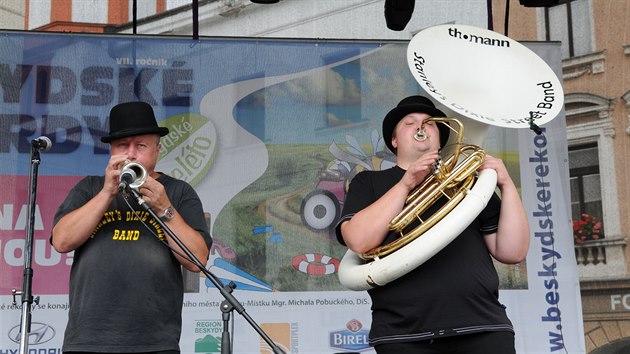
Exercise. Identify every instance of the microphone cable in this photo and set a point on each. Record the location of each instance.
(135, 212)
(125, 195)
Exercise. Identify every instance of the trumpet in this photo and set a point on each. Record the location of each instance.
(132, 175)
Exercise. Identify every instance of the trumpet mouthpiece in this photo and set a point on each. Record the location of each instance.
(420, 135)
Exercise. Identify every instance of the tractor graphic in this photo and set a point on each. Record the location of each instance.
(321, 208)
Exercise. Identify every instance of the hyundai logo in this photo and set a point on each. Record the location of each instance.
(40, 333)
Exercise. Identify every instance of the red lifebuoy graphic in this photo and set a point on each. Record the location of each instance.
(315, 264)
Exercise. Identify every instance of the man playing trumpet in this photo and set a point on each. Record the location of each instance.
(449, 304)
(126, 288)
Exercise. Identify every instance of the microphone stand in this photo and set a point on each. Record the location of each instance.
(27, 293)
(230, 304)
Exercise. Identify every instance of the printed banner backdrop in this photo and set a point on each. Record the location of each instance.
(269, 132)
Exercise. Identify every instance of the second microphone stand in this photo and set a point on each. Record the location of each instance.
(230, 303)
(27, 283)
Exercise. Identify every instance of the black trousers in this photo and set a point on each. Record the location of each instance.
(477, 343)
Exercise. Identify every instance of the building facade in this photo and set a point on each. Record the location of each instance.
(12, 14)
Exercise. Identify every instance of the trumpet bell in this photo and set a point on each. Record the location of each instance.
(135, 171)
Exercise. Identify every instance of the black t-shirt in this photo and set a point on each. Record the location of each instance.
(453, 293)
(126, 287)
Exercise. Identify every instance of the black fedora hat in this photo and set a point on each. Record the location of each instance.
(412, 104)
(132, 118)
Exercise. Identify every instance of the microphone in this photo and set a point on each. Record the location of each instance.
(533, 126)
(127, 177)
(132, 175)
(42, 143)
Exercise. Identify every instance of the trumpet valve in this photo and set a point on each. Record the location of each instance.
(439, 170)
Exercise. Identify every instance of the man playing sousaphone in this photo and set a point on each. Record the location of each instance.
(449, 304)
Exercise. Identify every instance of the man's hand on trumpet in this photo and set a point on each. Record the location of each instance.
(112, 174)
(154, 194)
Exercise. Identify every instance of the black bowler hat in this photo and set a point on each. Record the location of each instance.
(412, 104)
(132, 118)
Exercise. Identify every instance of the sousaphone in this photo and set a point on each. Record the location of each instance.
(483, 79)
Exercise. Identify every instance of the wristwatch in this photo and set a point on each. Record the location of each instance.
(168, 214)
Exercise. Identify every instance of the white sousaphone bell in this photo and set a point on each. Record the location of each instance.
(484, 78)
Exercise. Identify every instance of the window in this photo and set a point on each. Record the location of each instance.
(571, 24)
(590, 136)
(586, 192)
